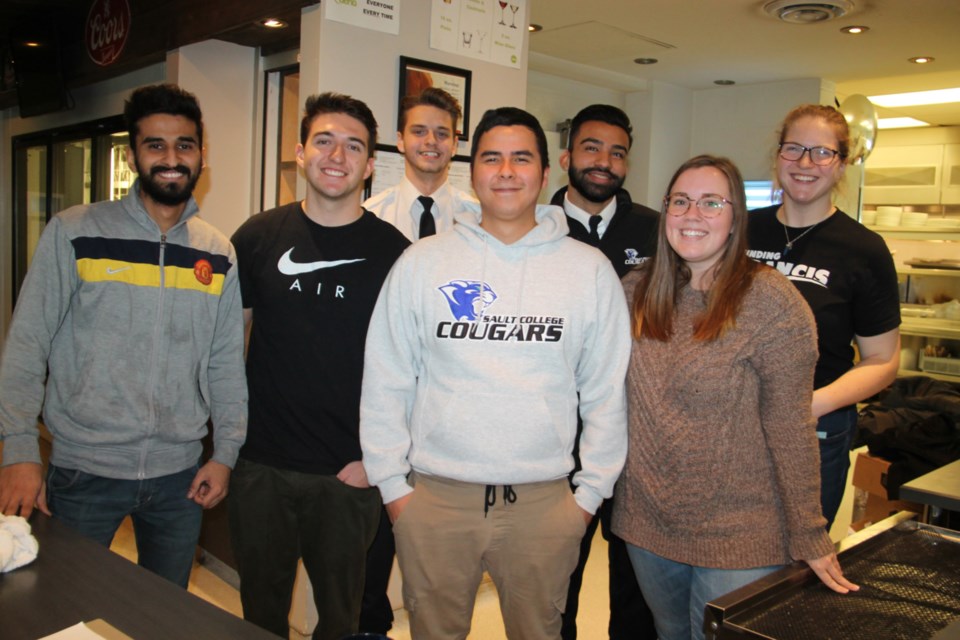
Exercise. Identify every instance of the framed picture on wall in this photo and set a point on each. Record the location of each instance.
(417, 75)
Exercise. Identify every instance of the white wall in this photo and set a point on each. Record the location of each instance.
(740, 122)
(669, 119)
(223, 77)
(365, 64)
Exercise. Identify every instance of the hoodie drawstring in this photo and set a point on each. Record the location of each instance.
(490, 496)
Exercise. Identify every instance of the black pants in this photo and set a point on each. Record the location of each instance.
(376, 614)
(278, 516)
(630, 617)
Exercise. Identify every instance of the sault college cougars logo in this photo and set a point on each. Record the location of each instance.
(467, 298)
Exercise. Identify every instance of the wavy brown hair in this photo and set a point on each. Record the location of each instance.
(662, 277)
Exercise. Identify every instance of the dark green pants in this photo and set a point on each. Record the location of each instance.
(279, 516)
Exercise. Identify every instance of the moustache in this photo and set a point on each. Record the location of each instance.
(181, 168)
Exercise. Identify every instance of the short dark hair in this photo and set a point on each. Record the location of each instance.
(161, 98)
(510, 117)
(430, 97)
(600, 113)
(331, 102)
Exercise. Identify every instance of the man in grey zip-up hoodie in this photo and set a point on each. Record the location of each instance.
(480, 343)
(128, 334)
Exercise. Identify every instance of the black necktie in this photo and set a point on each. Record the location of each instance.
(595, 230)
(427, 226)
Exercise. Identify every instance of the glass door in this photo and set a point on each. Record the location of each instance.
(55, 170)
(281, 133)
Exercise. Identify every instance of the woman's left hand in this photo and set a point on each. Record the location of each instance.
(828, 570)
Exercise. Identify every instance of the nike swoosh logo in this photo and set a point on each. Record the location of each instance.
(290, 268)
(111, 271)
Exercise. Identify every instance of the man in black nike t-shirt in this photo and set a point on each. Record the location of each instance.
(310, 274)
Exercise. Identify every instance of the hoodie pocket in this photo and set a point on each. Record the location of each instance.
(486, 428)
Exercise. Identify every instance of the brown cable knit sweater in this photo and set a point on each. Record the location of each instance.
(722, 465)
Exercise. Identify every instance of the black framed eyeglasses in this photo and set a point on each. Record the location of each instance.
(821, 156)
(677, 204)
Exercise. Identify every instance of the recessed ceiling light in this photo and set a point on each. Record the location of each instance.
(900, 123)
(31, 43)
(724, 83)
(273, 23)
(917, 98)
(646, 60)
(920, 60)
(533, 28)
(855, 29)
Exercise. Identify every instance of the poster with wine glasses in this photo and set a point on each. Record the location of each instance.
(490, 30)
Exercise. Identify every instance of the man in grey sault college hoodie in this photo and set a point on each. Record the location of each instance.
(480, 343)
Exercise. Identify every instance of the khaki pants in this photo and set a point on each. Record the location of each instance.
(529, 547)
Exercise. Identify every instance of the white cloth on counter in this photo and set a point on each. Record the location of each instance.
(17, 546)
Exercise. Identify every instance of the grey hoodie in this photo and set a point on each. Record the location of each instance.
(142, 335)
(476, 353)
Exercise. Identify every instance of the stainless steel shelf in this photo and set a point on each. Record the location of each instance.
(918, 233)
(936, 376)
(915, 271)
(930, 328)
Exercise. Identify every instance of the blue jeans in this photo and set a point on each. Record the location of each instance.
(835, 433)
(678, 593)
(166, 524)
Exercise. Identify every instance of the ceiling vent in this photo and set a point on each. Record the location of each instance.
(799, 12)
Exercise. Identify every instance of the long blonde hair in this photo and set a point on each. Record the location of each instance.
(655, 296)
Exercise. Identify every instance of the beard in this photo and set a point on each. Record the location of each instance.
(167, 193)
(598, 193)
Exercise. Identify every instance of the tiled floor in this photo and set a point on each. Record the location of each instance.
(487, 622)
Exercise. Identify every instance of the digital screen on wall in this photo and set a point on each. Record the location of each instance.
(760, 193)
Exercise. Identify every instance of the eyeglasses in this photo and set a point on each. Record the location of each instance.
(821, 156)
(678, 204)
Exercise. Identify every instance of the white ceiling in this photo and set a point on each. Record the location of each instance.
(699, 41)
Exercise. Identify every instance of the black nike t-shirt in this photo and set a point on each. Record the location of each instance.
(312, 290)
(845, 273)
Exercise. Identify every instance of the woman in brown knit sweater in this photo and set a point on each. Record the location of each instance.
(720, 485)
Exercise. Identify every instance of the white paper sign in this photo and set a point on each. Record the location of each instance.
(378, 15)
(491, 30)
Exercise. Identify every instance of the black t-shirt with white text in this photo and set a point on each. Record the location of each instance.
(312, 290)
(845, 273)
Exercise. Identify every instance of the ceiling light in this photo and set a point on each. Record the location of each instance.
(917, 98)
(646, 60)
(800, 12)
(724, 83)
(900, 123)
(273, 23)
(855, 29)
(920, 60)
(533, 28)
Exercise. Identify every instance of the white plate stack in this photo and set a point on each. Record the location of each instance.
(912, 219)
(889, 216)
(943, 223)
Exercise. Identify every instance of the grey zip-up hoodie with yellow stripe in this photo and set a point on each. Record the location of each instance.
(130, 340)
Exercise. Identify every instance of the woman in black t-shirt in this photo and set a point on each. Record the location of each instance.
(845, 273)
